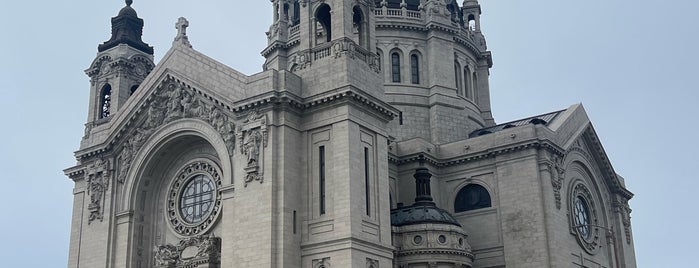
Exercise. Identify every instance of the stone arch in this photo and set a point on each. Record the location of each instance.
(323, 23)
(173, 130)
(105, 101)
(147, 189)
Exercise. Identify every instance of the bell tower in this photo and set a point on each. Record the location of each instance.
(329, 46)
(332, 41)
(121, 64)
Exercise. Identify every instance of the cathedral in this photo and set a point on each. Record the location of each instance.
(367, 140)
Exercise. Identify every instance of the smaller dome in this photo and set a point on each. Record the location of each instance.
(128, 11)
(420, 214)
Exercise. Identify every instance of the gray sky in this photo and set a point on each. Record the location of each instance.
(631, 63)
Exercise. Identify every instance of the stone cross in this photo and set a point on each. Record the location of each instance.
(181, 27)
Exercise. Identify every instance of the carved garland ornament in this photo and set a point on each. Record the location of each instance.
(209, 208)
(98, 176)
(252, 136)
(166, 106)
(190, 252)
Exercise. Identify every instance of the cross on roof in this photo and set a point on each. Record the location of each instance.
(181, 26)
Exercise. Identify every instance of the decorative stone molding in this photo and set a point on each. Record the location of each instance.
(623, 208)
(253, 136)
(321, 263)
(371, 263)
(197, 251)
(97, 175)
(557, 177)
(166, 106)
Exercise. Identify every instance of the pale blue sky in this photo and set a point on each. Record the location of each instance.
(632, 64)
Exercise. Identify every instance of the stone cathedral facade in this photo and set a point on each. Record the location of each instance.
(366, 141)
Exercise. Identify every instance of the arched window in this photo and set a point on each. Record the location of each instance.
(414, 69)
(296, 19)
(471, 197)
(474, 81)
(395, 67)
(471, 22)
(286, 12)
(380, 61)
(323, 24)
(133, 90)
(105, 101)
(457, 77)
(359, 27)
(467, 82)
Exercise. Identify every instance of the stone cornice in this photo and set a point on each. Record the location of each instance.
(434, 252)
(269, 98)
(603, 161)
(477, 156)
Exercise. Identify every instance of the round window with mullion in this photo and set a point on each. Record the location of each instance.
(194, 201)
(583, 218)
(197, 199)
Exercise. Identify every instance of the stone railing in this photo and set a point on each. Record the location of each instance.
(394, 13)
(293, 31)
(335, 49)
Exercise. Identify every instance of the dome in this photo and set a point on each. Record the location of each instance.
(127, 11)
(421, 214)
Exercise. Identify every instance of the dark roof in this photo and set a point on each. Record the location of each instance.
(543, 119)
(421, 214)
(127, 28)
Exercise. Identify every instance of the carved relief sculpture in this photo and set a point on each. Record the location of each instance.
(97, 184)
(190, 252)
(557, 176)
(252, 135)
(169, 105)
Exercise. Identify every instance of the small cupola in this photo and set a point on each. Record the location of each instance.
(127, 29)
(424, 233)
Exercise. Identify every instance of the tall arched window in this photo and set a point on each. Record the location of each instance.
(395, 67)
(133, 90)
(105, 101)
(414, 69)
(474, 81)
(467, 82)
(471, 197)
(471, 22)
(323, 24)
(360, 29)
(296, 18)
(457, 78)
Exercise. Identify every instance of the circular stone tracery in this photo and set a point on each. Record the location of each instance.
(584, 221)
(194, 201)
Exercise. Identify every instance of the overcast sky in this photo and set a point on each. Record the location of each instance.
(632, 64)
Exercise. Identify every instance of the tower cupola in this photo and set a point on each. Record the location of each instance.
(122, 63)
(127, 28)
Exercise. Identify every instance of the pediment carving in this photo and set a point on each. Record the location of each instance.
(98, 177)
(172, 101)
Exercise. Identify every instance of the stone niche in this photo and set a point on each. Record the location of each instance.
(198, 251)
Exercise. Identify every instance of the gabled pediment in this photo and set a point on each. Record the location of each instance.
(576, 134)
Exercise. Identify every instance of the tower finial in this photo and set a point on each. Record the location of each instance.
(129, 2)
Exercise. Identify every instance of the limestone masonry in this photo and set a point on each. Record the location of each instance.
(366, 141)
